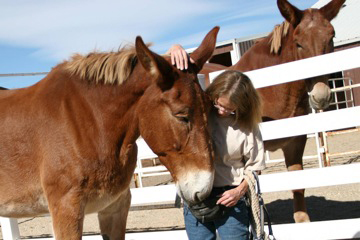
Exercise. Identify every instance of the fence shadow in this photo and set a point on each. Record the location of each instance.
(319, 209)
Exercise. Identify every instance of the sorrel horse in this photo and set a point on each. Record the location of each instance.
(68, 142)
(304, 34)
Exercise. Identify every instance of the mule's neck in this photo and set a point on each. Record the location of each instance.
(118, 109)
(111, 113)
(260, 55)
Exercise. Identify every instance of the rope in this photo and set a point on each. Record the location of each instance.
(257, 213)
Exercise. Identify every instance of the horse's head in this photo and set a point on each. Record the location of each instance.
(173, 119)
(312, 36)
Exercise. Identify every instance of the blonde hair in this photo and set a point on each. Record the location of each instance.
(241, 92)
(106, 68)
(276, 36)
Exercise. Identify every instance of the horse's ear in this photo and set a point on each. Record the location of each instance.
(155, 65)
(290, 12)
(146, 57)
(331, 9)
(206, 48)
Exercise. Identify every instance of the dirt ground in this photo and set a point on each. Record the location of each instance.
(326, 203)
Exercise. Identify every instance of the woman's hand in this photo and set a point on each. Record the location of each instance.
(231, 197)
(179, 57)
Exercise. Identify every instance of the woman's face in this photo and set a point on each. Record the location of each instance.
(224, 106)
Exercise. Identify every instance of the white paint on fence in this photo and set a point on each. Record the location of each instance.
(319, 122)
(292, 71)
(9, 228)
(310, 231)
(324, 230)
(310, 178)
(152, 195)
(153, 235)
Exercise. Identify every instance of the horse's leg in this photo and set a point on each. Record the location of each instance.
(112, 219)
(67, 215)
(293, 153)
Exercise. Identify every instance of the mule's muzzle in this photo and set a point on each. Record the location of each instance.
(320, 96)
(195, 187)
(319, 103)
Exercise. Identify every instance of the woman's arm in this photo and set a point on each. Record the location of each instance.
(254, 152)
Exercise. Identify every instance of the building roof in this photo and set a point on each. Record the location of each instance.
(346, 24)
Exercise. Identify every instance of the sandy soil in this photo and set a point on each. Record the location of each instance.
(327, 203)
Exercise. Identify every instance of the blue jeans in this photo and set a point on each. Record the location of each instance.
(232, 227)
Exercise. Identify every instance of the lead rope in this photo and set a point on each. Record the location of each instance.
(257, 208)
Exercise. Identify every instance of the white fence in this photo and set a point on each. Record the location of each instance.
(338, 175)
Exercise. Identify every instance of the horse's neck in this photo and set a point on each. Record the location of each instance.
(260, 56)
(280, 101)
(105, 114)
(119, 117)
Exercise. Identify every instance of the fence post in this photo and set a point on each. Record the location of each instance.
(9, 228)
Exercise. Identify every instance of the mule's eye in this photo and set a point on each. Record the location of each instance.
(182, 117)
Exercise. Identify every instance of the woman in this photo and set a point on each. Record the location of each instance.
(238, 147)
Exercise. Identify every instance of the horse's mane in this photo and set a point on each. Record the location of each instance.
(104, 67)
(279, 31)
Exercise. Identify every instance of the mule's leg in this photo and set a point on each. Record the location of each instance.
(67, 214)
(293, 153)
(112, 220)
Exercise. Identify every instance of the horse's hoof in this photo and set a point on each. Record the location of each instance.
(301, 217)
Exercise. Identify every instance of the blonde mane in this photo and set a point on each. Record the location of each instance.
(106, 68)
(280, 31)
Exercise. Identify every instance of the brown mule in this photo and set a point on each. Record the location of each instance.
(304, 34)
(67, 143)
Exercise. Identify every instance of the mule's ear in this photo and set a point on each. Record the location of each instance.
(332, 9)
(158, 67)
(290, 12)
(146, 57)
(206, 48)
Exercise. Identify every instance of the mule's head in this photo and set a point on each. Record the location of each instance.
(313, 35)
(172, 115)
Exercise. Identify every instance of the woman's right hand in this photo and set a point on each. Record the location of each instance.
(231, 197)
(179, 57)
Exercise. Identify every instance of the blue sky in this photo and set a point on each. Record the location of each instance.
(36, 35)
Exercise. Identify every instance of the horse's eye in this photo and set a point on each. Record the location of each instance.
(182, 117)
(299, 46)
